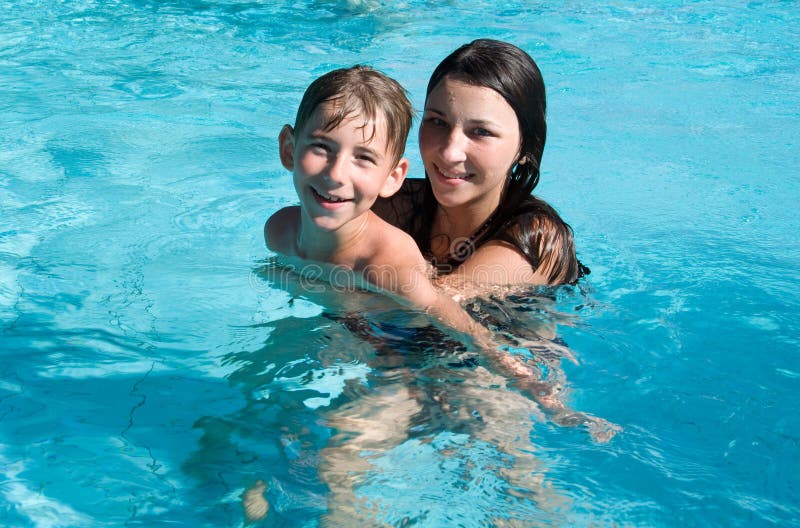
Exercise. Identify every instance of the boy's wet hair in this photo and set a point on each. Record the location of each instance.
(365, 91)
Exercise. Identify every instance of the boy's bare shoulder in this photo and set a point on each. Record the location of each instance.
(280, 231)
(396, 266)
(396, 248)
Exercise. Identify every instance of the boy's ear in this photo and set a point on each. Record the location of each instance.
(286, 147)
(395, 179)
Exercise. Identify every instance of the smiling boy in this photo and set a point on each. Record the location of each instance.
(345, 151)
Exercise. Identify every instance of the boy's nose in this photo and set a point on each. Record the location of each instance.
(454, 150)
(336, 172)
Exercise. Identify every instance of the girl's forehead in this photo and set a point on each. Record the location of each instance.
(454, 90)
(469, 101)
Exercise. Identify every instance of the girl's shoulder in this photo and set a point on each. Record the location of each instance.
(537, 230)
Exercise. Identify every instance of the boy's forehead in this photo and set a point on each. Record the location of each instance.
(330, 115)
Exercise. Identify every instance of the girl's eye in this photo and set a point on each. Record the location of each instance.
(437, 122)
(482, 132)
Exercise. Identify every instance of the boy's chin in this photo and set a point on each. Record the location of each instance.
(327, 223)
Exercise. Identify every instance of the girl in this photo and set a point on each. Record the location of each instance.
(481, 140)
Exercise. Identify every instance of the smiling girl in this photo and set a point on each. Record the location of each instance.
(481, 139)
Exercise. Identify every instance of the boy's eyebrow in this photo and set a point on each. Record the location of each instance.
(320, 134)
(370, 151)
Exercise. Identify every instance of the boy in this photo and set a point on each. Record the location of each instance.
(344, 151)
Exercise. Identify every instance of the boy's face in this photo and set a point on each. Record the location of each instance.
(340, 173)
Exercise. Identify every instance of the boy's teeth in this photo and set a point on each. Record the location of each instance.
(329, 197)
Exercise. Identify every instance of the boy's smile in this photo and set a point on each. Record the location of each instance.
(339, 172)
(328, 201)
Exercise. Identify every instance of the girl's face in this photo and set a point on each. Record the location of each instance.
(469, 140)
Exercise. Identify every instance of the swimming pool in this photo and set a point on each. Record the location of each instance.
(153, 367)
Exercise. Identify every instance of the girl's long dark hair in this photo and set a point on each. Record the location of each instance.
(523, 220)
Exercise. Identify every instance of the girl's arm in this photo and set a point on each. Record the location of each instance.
(494, 263)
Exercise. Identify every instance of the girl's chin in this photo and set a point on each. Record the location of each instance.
(449, 197)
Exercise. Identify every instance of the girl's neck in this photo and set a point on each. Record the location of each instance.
(460, 222)
(454, 234)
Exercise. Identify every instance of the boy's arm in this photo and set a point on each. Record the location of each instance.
(421, 293)
(412, 285)
(449, 312)
(400, 270)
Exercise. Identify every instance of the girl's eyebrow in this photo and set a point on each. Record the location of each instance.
(484, 122)
(473, 122)
(435, 111)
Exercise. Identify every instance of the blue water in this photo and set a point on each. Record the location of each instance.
(153, 367)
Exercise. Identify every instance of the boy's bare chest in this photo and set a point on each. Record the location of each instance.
(316, 275)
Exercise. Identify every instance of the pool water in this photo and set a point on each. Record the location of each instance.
(155, 365)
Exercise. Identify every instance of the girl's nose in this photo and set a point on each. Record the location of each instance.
(454, 150)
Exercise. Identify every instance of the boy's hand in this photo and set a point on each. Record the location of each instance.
(527, 378)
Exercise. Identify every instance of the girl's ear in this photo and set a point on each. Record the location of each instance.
(286, 147)
(523, 160)
(395, 179)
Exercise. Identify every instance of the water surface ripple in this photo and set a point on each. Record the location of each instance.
(156, 363)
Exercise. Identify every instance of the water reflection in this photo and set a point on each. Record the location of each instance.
(369, 405)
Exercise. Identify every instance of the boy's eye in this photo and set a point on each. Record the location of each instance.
(319, 147)
(366, 158)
